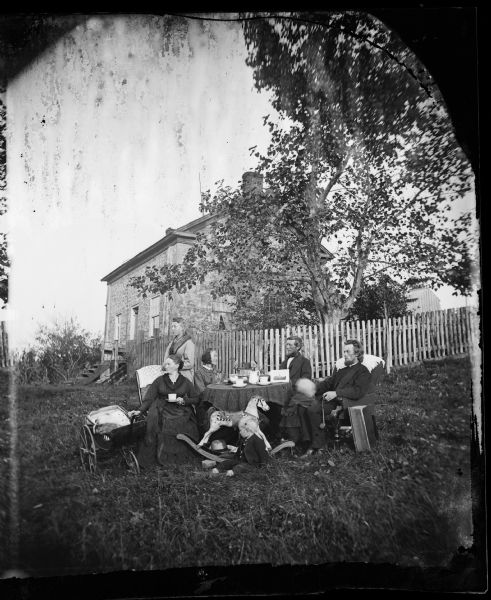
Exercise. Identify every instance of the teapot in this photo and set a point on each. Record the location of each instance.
(254, 377)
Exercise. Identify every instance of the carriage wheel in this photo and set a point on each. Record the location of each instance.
(130, 460)
(88, 456)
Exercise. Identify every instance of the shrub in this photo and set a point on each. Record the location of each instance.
(61, 352)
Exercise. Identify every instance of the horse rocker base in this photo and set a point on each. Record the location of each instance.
(217, 458)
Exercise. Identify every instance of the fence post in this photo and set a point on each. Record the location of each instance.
(116, 354)
(388, 333)
(4, 346)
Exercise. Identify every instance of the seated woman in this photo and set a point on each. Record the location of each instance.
(167, 417)
(207, 373)
(204, 376)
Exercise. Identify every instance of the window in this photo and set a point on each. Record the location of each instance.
(117, 324)
(154, 322)
(133, 322)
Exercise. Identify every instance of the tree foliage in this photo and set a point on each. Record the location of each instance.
(380, 299)
(60, 353)
(362, 158)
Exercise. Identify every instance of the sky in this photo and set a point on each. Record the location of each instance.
(112, 132)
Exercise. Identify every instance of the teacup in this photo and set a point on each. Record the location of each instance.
(263, 379)
(240, 382)
(172, 397)
(233, 377)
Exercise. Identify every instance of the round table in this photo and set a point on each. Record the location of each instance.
(233, 399)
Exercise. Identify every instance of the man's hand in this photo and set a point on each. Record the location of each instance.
(329, 395)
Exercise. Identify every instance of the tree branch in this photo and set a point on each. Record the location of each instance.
(335, 178)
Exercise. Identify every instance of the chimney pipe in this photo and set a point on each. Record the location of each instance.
(252, 182)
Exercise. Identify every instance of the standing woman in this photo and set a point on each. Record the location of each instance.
(168, 416)
(183, 346)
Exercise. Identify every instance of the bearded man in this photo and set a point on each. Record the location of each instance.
(344, 388)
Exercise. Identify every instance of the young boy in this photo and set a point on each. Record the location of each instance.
(294, 421)
(251, 453)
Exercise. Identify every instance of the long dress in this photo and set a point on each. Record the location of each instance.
(165, 420)
(204, 377)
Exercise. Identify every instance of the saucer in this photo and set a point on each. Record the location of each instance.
(239, 386)
(267, 383)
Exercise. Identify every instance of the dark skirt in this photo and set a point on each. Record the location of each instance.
(160, 445)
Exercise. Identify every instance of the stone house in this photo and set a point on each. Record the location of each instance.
(129, 317)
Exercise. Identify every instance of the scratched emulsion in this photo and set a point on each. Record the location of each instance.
(111, 131)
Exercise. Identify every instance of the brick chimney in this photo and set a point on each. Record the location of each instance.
(168, 230)
(252, 182)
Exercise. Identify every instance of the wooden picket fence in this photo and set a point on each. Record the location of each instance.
(4, 346)
(400, 341)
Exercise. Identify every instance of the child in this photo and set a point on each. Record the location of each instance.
(294, 422)
(251, 453)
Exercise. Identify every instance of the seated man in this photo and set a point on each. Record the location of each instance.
(345, 387)
(295, 362)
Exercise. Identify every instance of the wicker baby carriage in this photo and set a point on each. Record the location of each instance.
(113, 429)
(106, 432)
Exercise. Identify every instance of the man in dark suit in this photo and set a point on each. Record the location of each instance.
(345, 387)
(299, 367)
(295, 362)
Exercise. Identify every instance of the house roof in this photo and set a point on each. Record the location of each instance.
(186, 234)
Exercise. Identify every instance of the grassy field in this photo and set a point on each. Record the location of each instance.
(407, 503)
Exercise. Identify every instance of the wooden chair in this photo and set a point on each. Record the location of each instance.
(145, 376)
(357, 421)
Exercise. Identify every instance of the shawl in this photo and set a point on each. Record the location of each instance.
(178, 342)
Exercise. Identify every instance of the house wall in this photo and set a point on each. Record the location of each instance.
(424, 300)
(196, 306)
(122, 297)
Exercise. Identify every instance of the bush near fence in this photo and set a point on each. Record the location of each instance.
(400, 341)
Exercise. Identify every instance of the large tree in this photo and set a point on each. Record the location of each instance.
(4, 260)
(362, 158)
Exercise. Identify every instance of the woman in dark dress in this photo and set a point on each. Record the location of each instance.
(168, 417)
(204, 376)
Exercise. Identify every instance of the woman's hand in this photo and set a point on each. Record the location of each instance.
(180, 401)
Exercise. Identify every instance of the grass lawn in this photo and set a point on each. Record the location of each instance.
(407, 504)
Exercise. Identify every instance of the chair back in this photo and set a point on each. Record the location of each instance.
(374, 364)
(145, 377)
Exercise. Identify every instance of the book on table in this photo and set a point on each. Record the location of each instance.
(279, 375)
